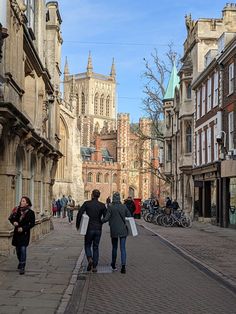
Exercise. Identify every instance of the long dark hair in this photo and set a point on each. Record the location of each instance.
(28, 201)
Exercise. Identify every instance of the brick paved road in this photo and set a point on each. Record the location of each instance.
(158, 280)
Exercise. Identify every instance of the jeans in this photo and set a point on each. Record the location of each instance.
(21, 255)
(70, 214)
(114, 242)
(92, 237)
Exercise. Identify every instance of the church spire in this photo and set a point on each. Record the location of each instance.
(90, 65)
(66, 68)
(173, 82)
(113, 70)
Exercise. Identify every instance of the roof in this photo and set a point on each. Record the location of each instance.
(86, 153)
(173, 82)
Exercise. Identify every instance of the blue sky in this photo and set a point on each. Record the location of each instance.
(128, 31)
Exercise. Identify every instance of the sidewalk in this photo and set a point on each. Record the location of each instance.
(210, 247)
(48, 276)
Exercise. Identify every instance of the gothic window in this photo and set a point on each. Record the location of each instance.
(99, 177)
(188, 138)
(90, 177)
(106, 178)
(96, 104)
(114, 178)
(189, 91)
(102, 105)
(82, 103)
(108, 106)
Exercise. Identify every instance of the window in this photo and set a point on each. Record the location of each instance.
(198, 104)
(216, 88)
(108, 106)
(114, 178)
(106, 178)
(96, 104)
(231, 78)
(102, 105)
(99, 177)
(209, 94)
(203, 147)
(30, 13)
(203, 99)
(189, 91)
(209, 145)
(198, 149)
(231, 130)
(169, 151)
(188, 138)
(82, 104)
(215, 143)
(90, 177)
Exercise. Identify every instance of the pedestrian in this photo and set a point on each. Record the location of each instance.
(70, 208)
(64, 202)
(95, 210)
(108, 201)
(175, 205)
(23, 219)
(130, 205)
(116, 214)
(54, 207)
(58, 202)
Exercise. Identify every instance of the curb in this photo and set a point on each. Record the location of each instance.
(69, 290)
(211, 272)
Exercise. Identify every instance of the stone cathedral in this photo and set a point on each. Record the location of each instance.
(99, 143)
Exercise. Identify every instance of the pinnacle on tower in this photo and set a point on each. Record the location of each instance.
(173, 82)
(113, 70)
(90, 64)
(66, 68)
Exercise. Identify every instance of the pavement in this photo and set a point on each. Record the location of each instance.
(162, 273)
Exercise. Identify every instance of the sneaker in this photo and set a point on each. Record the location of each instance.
(113, 266)
(94, 270)
(22, 271)
(90, 263)
(123, 270)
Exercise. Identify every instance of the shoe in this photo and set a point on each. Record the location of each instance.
(90, 263)
(22, 271)
(94, 270)
(123, 270)
(113, 266)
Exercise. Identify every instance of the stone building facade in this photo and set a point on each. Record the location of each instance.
(29, 110)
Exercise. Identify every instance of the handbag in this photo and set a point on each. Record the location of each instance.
(83, 224)
(132, 229)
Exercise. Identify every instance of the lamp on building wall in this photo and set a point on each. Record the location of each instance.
(3, 35)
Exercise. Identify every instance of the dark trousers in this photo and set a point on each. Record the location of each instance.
(114, 242)
(21, 255)
(92, 238)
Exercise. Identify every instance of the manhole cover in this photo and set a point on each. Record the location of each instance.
(100, 270)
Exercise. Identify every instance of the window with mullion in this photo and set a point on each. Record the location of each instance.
(216, 89)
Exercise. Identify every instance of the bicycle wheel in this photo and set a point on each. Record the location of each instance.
(168, 221)
(186, 222)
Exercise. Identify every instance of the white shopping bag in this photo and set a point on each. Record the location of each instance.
(132, 229)
(83, 224)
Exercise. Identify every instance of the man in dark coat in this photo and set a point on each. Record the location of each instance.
(95, 210)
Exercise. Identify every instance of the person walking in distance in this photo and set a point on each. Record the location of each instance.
(116, 214)
(23, 219)
(95, 210)
(70, 209)
(130, 205)
(64, 202)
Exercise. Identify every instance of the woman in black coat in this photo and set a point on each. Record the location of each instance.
(23, 219)
(116, 214)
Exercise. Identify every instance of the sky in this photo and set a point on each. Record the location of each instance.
(128, 31)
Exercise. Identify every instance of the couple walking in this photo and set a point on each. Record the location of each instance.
(99, 214)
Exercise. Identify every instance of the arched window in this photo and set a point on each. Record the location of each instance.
(90, 177)
(99, 177)
(96, 104)
(189, 91)
(82, 103)
(114, 178)
(102, 105)
(188, 138)
(108, 106)
(106, 178)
